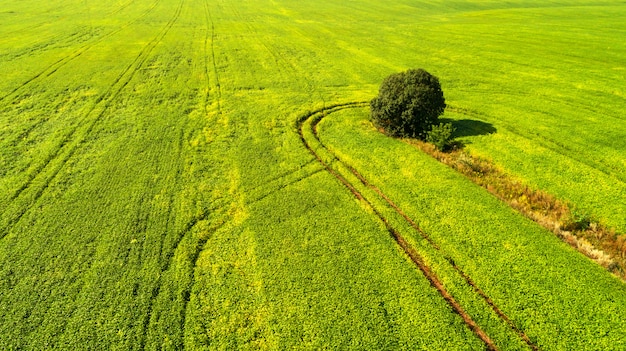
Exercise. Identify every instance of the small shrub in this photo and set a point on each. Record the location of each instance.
(441, 136)
(578, 221)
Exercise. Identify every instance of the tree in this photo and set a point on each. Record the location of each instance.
(408, 104)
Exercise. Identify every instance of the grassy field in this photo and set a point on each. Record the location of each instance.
(199, 174)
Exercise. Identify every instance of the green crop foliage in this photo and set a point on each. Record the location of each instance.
(156, 193)
(516, 262)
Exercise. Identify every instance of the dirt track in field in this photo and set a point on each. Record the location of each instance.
(314, 118)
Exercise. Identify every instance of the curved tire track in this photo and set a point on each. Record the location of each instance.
(315, 117)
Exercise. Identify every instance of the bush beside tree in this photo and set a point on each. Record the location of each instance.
(441, 136)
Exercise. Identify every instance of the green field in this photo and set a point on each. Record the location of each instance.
(202, 175)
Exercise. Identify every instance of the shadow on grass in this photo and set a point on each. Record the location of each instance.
(469, 127)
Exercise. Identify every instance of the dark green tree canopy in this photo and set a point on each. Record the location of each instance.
(408, 104)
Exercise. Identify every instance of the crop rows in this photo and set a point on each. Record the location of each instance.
(89, 43)
(110, 181)
(50, 167)
(163, 187)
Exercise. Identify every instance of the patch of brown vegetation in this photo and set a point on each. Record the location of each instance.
(596, 241)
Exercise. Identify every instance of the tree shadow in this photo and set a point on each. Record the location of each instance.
(469, 127)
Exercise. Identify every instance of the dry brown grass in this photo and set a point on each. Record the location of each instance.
(583, 233)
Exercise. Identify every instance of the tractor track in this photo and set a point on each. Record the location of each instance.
(210, 36)
(52, 40)
(69, 145)
(55, 66)
(315, 117)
